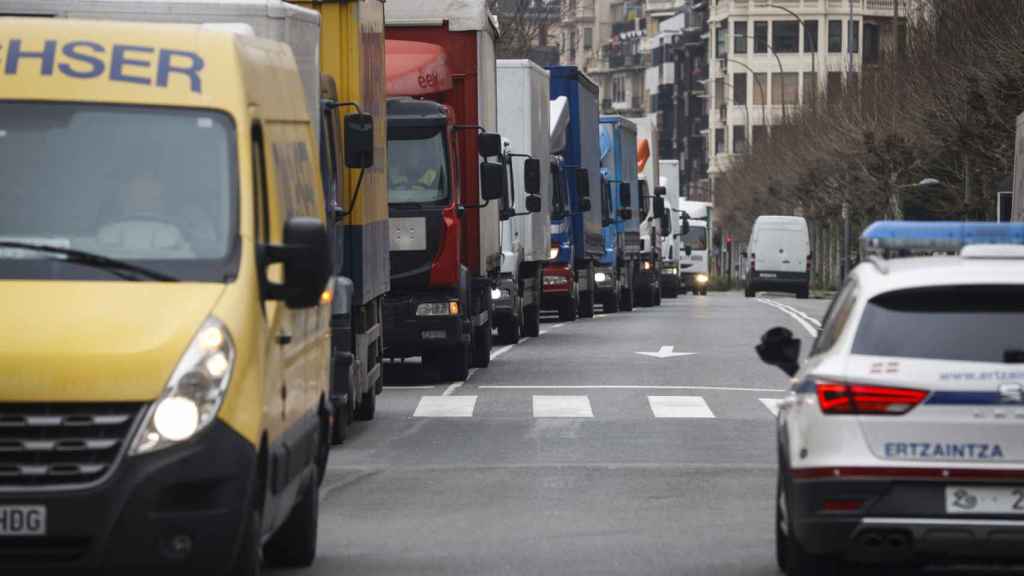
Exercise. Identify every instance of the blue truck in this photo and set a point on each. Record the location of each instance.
(620, 268)
(577, 243)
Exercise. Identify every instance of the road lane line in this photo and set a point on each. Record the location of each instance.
(542, 332)
(445, 407)
(427, 387)
(557, 326)
(799, 312)
(562, 407)
(500, 351)
(806, 325)
(679, 407)
(623, 387)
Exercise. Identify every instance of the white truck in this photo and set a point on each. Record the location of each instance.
(695, 244)
(524, 114)
(648, 167)
(671, 283)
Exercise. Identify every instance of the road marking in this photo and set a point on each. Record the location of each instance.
(409, 387)
(500, 351)
(557, 326)
(679, 407)
(665, 352)
(622, 387)
(798, 317)
(455, 385)
(772, 404)
(445, 407)
(542, 332)
(562, 407)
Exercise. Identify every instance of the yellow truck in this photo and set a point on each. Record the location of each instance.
(164, 275)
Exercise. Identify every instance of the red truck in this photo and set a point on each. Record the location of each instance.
(445, 197)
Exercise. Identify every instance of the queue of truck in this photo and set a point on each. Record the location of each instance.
(370, 182)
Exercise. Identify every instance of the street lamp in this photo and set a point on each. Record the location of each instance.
(760, 87)
(897, 203)
(803, 29)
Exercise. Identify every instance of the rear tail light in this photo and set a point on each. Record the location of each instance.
(835, 398)
(752, 262)
(810, 256)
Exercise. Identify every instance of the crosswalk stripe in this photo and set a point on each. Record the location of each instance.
(445, 407)
(772, 404)
(562, 407)
(679, 407)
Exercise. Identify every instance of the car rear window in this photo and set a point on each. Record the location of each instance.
(972, 323)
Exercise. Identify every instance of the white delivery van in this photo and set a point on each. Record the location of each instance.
(779, 255)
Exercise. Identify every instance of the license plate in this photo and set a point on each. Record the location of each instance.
(985, 500)
(22, 520)
(768, 275)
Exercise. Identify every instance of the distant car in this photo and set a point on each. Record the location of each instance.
(779, 255)
(900, 441)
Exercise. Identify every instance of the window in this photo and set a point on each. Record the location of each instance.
(964, 323)
(618, 88)
(739, 45)
(835, 319)
(810, 35)
(739, 88)
(854, 36)
(721, 40)
(785, 36)
(759, 135)
(760, 37)
(588, 38)
(739, 139)
(810, 87)
(720, 92)
(835, 36)
(760, 89)
(872, 43)
(417, 172)
(785, 89)
(719, 140)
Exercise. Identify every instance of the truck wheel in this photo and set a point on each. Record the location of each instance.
(749, 293)
(508, 331)
(455, 368)
(587, 304)
(294, 543)
(803, 293)
(657, 296)
(567, 312)
(482, 344)
(626, 299)
(367, 406)
(343, 414)
(249, 561)
(611, 303)
(531, 321)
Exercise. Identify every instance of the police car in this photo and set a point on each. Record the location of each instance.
(902, 438)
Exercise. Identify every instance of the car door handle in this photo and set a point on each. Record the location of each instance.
(284, 338)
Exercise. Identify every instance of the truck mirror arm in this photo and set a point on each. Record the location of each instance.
(338, 210)
(334, 105)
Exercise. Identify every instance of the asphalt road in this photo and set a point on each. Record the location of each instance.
(574, 454)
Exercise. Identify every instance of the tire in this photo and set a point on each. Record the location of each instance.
(567, 311)
(611, 303)
(626, 300)
(803, 293)
(343, 415)
(657, 296)
(531, 321)
(454, 367)
(482, 344)
(249, 561)
(294, 543)
(587, 304)
(780, 536)
(508, 331)
(367, 408)
(749, 292)
(790, 554)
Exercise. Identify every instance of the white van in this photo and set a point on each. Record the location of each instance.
(779, 255)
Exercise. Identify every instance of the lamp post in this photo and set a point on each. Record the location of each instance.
(746, 111)
(803, 29)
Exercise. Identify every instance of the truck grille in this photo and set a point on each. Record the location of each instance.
(61, 444)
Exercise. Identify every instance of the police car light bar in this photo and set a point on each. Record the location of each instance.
(886, 236)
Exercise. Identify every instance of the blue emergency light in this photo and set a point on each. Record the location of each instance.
(888, 236)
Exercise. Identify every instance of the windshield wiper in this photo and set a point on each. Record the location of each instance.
(113, 265)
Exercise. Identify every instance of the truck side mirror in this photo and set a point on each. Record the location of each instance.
(660, 191)
(666, 225)
(493, 181)
(533, 204)
(688, 250)
(779, 348)
(358, 140)
(625, 195)
(684, 225)
(307, 264)
(488, 144)
(659, 207)
(531, 177)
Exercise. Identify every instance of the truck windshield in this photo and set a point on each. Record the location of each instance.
(696, 238)
(417, 167)
(146, 186)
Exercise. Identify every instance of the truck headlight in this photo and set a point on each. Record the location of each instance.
(438, 309)
(495, 293)
(647, 265)
(702, 278)
(553, 253)
(193, 394)
(600, 277)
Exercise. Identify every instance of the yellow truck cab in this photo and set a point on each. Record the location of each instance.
(163, 263)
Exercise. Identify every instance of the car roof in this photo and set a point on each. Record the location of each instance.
(877, 276)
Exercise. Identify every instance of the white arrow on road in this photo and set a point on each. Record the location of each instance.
(666, 352)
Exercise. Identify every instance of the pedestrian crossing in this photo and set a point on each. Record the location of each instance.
(552, 406)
